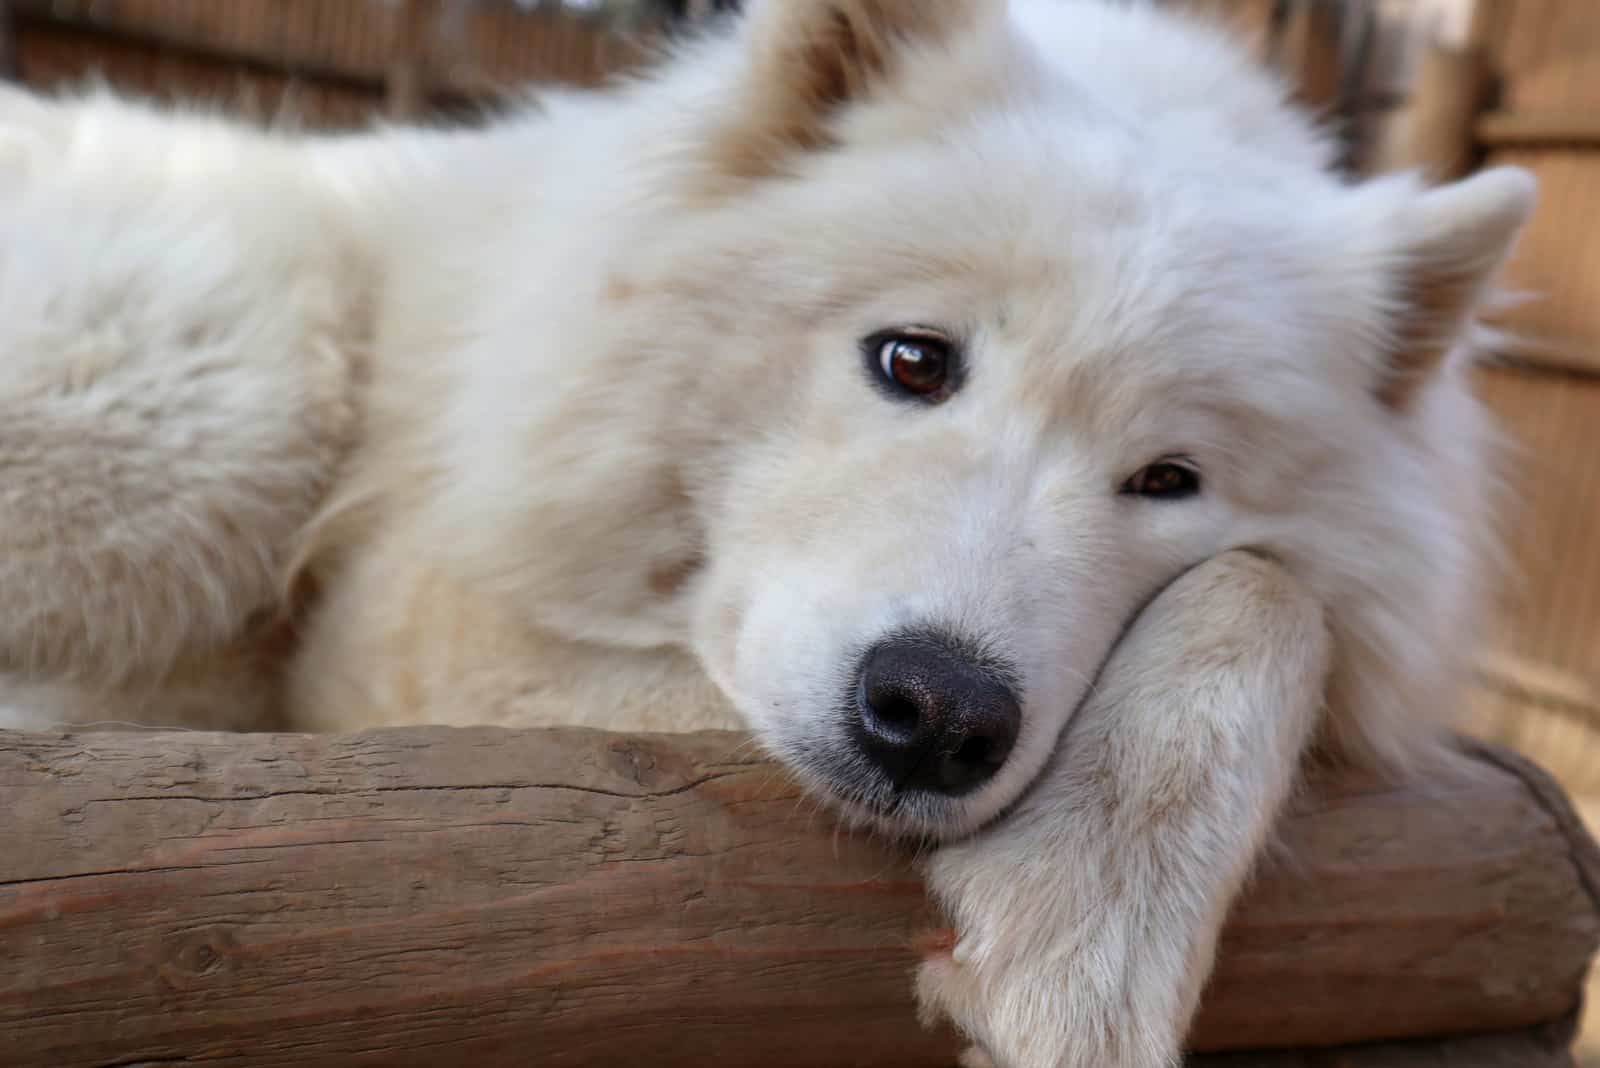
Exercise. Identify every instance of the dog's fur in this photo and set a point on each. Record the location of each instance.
(565, 420)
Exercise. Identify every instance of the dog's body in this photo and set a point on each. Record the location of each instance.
(601, 415)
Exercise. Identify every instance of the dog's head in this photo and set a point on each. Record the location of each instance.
(987, 355)
(1000, 362)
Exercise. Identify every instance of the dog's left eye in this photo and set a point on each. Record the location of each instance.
(1166, 481)
(916, 364)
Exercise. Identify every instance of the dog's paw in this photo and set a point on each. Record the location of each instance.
(1045, 968)
(1020, 1015)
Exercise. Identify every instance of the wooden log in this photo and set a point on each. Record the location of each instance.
(1548, 1046)
(485, 897)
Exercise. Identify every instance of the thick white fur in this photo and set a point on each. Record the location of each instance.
(564, 420)
(1089, 917)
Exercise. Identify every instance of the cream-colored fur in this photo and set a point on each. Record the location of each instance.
(566, 420)
(1172, 774)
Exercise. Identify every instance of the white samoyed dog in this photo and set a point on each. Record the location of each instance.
(1003, 410)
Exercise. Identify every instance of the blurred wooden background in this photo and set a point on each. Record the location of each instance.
(1441, 84)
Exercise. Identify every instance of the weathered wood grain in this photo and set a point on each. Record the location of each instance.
(1548, 1046)
(484, 897)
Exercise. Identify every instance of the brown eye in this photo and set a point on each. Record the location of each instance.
(1165, 481)
(920, 365)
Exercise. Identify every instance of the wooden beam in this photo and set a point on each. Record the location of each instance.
(1434, 132)
(488, 897)
(8, 42)
(1309, 48)
(406, 82)
(1549, 1046)
(1504, 129)
(116, 26)
(124, 32)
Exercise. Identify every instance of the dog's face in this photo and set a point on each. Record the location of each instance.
(989, 381)
(1010, 406)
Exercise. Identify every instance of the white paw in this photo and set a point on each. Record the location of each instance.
(1041, 1014)
(1046, 968)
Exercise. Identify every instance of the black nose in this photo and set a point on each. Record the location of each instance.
(933, 717)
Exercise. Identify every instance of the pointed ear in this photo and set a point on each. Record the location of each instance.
(1458, 236)
(808, 59)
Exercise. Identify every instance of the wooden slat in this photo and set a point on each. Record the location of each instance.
(51, 57)
(1549, 615)
(1565, 738)
(186, 43)
(343, 35)
(1519, 675)
(1310, 49)
(1434, 131)
(474, 51)
(1557, 262)
(8, 50)
(1507, 129)
(1547, 53)
(505, 48)
(406, 88)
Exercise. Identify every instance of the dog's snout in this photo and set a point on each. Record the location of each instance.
(932, 717)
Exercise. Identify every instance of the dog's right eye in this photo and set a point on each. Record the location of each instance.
(1168, 480)
(916, 364)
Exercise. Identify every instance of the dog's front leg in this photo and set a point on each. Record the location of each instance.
(1087, 919)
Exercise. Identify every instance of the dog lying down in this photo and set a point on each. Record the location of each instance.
(1003, 410)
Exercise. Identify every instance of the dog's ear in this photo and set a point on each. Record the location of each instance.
(806, 60)
(1457, 237)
